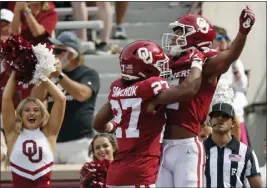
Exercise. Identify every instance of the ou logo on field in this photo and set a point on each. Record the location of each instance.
(145, 55)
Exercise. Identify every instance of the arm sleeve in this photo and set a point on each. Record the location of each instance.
(252, 168)
(91, 79)
(49, 22)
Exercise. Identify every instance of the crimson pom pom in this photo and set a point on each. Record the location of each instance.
(19, 56)
(94, 174)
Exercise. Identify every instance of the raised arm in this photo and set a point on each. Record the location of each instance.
(8, 110)
(3, 146)
(58, 109)
(81, 91)
(185, 91)
(16, 22)
(188, 89)
(36, 28)
(221, 63)
(39, 92)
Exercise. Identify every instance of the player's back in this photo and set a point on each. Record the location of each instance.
(190, 114)
(138, 133)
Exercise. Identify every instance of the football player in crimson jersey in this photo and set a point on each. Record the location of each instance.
(183, 155)
(138, 130)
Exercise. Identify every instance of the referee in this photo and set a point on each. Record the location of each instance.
(229, 163)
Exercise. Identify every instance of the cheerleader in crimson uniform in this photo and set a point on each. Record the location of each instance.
(103, 148)
(31, 132)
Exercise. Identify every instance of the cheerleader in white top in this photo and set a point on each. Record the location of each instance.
(31, 133)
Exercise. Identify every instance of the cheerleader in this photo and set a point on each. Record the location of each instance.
(31, 132)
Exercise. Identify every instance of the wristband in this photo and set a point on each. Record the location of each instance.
(27, 11)
(197, 64)
(61, 76)
(244, 32)
(57, 79)
(111, 127)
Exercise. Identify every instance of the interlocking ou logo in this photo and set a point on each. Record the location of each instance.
(29, 148)
(203, 25)
(247, 23)
(145, 55)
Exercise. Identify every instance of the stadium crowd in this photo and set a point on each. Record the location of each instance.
(48, 117)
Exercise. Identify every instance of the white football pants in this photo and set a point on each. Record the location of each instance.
(182, 163)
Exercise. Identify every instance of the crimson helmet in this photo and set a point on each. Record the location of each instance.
(188, 31)
(143, 59)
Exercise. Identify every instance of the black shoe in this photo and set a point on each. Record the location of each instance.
(102, 49)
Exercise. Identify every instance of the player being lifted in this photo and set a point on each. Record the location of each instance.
(183, 154)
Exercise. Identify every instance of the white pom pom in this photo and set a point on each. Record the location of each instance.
(223, 93)
(45, 66)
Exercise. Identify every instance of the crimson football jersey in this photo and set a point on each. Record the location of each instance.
(190, 114)
(138, 132)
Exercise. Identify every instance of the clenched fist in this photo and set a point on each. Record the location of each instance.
(58, 66)
(20, 6)
(246, 20)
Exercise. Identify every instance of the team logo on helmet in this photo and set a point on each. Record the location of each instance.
(145, 55)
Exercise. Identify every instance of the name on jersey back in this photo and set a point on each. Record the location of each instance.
(126, 92)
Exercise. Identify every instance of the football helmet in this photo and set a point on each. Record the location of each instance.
(143, 59)
(188, 31)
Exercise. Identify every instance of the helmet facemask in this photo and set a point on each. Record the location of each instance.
(176, 42)
(163, 67)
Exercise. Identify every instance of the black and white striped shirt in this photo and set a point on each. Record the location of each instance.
(229, 166)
